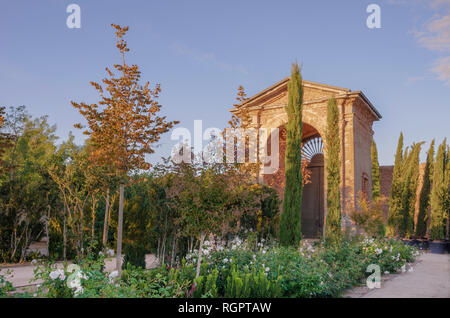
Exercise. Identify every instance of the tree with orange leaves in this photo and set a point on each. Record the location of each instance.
(125, 124)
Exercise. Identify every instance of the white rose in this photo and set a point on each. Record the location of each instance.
(114, 274)
(54, 275)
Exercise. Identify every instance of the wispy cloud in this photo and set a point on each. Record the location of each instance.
(415, 79)
(439, 3)
(428, 3)
(442, 69)
(433, 35)
(207, 58)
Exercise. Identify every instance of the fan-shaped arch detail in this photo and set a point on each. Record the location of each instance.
(312, 147)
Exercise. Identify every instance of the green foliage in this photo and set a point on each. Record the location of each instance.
(251, 284)
(134, 255)
(409, 191)
(333, 219)
(319, 269)
(439, 194)
(368, 215)
(290, 220)
(5, 285)
(26, 190)
(402, 200)
(394, 198)
(376, 186)
(206, 286)
(424, 204)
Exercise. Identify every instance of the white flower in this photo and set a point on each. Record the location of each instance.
(267, 269)
(78, 290)
(100, 253)
(75, 283)
(110, 252)
(114, 274)
(59, 273)
(378, 251)
(54, 275)
(386, 273)
(34, 261)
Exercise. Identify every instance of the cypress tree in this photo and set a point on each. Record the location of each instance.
(438, 195)
(290, 220)
(333, 219)
(424, 199)
(376, 187)
(394, 204)
(409, 183)
(447, 197)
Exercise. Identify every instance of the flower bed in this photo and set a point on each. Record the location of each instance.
(239, 269)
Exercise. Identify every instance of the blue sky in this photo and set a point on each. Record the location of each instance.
(200, 51)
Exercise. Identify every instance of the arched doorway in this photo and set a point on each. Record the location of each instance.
(313, 191)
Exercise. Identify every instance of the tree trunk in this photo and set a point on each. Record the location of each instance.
(47, 232)
(106, 223)
(158, 249)
(174, 246)
(200, 250)
(94, 203)
(119, 231)
(163, 244)
(64, 236)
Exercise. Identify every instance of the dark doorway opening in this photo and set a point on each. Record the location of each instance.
(313, 199)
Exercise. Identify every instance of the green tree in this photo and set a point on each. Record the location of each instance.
(424, 200)
(408, 197)
(26, 192)
(290, 220)
(439, 191)
(333, 219)
(376, 187)
(394, 198)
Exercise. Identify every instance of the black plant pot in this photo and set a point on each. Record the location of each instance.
(438, 247)
(423, 244)
(412, 242)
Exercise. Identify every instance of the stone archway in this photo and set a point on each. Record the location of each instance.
(356, 116)
(313, 205)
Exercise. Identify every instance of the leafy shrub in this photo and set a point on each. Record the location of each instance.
(134, 255)
(239, 270)
(5, 285)
(369, 215)
(254, 284)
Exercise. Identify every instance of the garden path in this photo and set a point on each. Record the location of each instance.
(429, 278)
